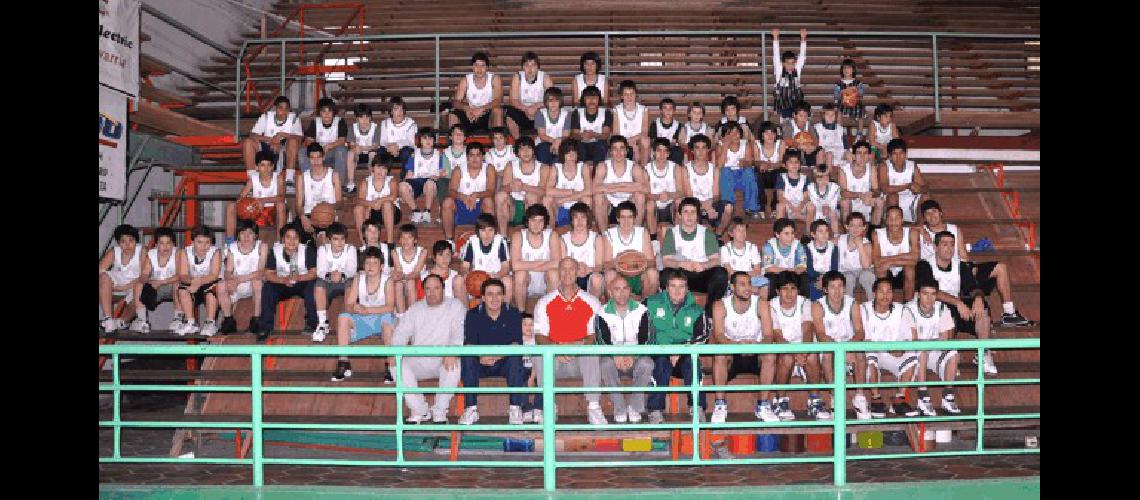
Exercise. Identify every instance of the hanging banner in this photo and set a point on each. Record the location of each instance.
(112, 144)
(119, 45)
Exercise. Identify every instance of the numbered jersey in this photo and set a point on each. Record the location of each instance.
(742, 326)
(790, 323)
(477, 96)
(629, 124)
(244, 263)
(500, 159)
(838, 324)
(318, 190)
(469, 184)
(486, 261)
(885, 328)
(889, 249)
(662, 181)
(583, 253)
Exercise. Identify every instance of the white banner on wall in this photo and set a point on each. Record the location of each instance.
(112, 144)
(119, 45)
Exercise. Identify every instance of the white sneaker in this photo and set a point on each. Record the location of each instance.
(439, 416)
(785, 412)
(764, 412)
(470, 416)
(950, 405)
(537, 415)
(926, 407)
(988, 360)
(819, 409)
(109, 325)
(321, 332)
(655, 417)
(140, 325)
(634, 415)
(209, 328)
(859, 403)
(528, 416)
(415, 419)
(620, 416)
(188, 328)
(595, 416)
(177, 322)
(514, 415)
(719, 414)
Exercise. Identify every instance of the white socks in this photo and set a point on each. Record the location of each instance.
(1007, 307)
(322, 316)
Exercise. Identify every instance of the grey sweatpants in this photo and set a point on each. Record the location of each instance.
(865, 278)
(642, 372)
(585, 367)
(415, 369)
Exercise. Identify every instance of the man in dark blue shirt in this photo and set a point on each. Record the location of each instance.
(493, 323)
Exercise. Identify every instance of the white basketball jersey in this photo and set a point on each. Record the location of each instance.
(669, 132)
(740, 260)
(479, 96)
(745, 325)
(345, 262)
(403, 134)
(828, 198)
(781, 260)
(895, 178)
(372, 193)
(789, 323)
(159, 271)
(692, 250)
(469, 185)
(541, 253)
(848, 256)
(318, 191)
(831, 140)
(882, 134)
(613, 178)
(595, 126)
(326, 135)
(821, 261)
(272, 127)
(796, 128)
(773, 157)
(376, 298)
(794, 191)
(927, 326)
(531, 92)
(296, 265)
(133, 267)
(583, 253)
(619, 244)
(856, 184)
(732, 158)
(407, 266)
(554, 128)
(926, 250)
(500, 159)
(629, 124)
(245, 263)
(199, 268)
(456, 160)
(691, 131)
(575, 184)
(599, 82)
(949, 281)
(880, 328)
(662, 182)
(838, 324)
(257, 190)
(365, 137)
(425, 166)
(701, 184)
(532, 179)
(888, 249)
(489, 261)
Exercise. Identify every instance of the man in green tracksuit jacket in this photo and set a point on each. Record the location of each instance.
(674, 318)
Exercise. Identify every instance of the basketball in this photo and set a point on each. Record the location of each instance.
(849, 97)
(803, 139)
(461, 242)
(323, 214)
(475, 281)
(248, 209)
(631, 263)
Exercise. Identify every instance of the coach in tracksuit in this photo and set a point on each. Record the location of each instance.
(624, 322)
(675, 318)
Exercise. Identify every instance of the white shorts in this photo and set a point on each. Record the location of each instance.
(243, 291)
(858, 205)
(893, 364)
(537, 286)
(119, 278)
(819, 213)
(936, 361)
(908, 201)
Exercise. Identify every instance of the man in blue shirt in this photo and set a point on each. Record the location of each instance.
(493, 322)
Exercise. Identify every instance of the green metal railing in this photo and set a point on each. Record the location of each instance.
(607, 37)
(549, 463)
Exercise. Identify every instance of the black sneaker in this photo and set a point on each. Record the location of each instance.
(343, 371)
(1015, 319)
(901, 407)
(878, 408)
(253, 324)
(388, 380)
(262, 336)
(229, 325)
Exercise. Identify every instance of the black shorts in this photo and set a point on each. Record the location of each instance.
(378, 216)
(810, 158)
(519, 117)
(720, 206)
(199, 296)
(397, 161)
(962, 325)
(481, 124)
(713, 281)
(898, 281)
(593, 152)
(982, 273)
(743, 363)
(664, 214)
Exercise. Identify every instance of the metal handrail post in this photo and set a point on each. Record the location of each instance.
(435, 126)
(934, 63)
(607, 56)
(115, 408)
(255, 415)
(694, 382)
(764, 70)
(282, 91)
(549, 470)
(839, 416)
(399, 409)
(237, 93)
(981, 397)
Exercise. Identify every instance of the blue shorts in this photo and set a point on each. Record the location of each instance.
(465, 216)
(367, 325)
(563, 217)
(417, 186)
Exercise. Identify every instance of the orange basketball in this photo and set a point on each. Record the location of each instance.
(461, 242)
(248, 209)
(323, 214)
(804, 139)
(849, 97)
(631, 263)
(475, 281)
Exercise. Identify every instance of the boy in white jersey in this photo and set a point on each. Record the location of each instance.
(265, 186)
(629, 236)
(535, 253)
(823, 197)
(884, 130)
(442, 255)
(740, 318)
(244, 272)
(570, 181)
(370, 237)
(821, 256)
(397, 134)
(526, 96)
(668, 128)
(367, 309)
(664, 187)
(730, 113)
(592, 75)
(739, 255)
(789, 72)
(934, 322)
(364, 144)
(934, 223)
(700, 179)
(887, 321)
(836, 317)
(904, 185)
(832, 137)
(331, 132)
(855, 262)
(200, 273)
(895, 251)
(592, 125)
(734, 156)
(552, 126)
(791, 188)
(696, 124)
(489, 252)
(791, 324)
(616, 180)
(631, 120)
(471, 187)
(500, 155)
(859, 185)
(290, 271)
(522, 186)
(587, 248)
(408, 260)
(426, 174)
(799, 122)
(161, 271)
(477, 104)
(784, 252)
(768, 151)
(319, 184)
(120, 273)
(336, 266)
(692, 248)
(378, 200)
(278, 131)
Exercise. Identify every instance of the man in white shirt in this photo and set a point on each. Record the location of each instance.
(435, 320)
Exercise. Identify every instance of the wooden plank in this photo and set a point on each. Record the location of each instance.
(172, 122)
